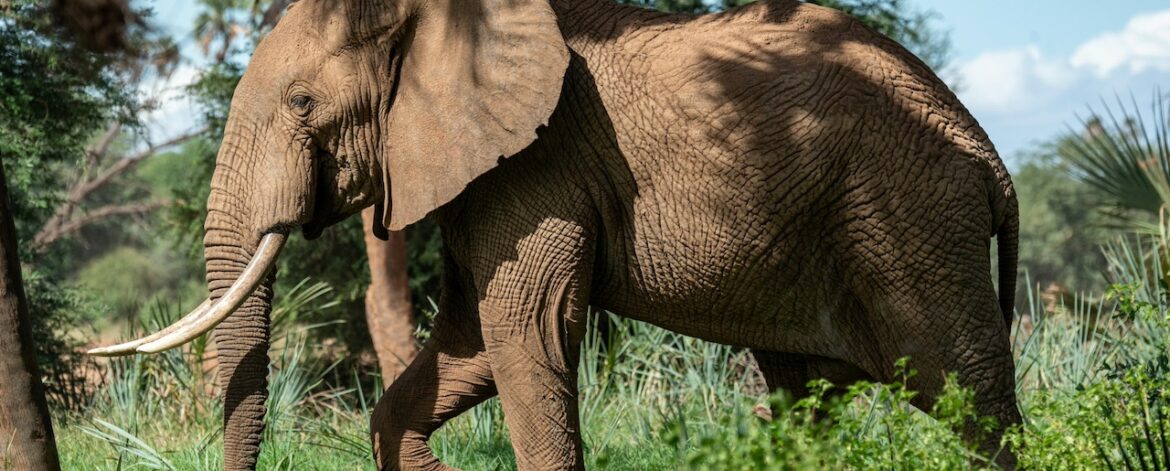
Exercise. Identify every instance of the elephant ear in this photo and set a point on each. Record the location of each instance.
(476, 79)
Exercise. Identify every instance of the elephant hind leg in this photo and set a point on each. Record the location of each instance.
(987, 368)
(436, 387)
(989, 372)
(954, 327)
(792, 372)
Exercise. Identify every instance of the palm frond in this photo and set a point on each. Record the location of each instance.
(1124, 155)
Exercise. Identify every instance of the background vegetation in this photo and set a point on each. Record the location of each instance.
(110, 222)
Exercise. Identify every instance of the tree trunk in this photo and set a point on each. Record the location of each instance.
(26, 431)
(388, 308)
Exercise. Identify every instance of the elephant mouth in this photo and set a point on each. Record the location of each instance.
(321, 217)
(313, 229)
(320, 220)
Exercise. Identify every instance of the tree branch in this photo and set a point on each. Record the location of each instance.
(54, 228)
(95, 154)
(126, 163)
(90, 217)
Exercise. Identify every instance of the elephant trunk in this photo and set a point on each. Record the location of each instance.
(242, 343)
(251, 208)
(240, 282)
(242, 339)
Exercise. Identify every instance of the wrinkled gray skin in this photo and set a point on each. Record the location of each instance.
(777, 177)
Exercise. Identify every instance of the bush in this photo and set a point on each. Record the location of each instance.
(870, 426)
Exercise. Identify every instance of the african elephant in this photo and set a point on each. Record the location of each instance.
(776, 177)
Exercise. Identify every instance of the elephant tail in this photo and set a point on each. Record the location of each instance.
(1008, 237)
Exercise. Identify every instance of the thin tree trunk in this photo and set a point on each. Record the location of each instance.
(26, 431)
(388, 308)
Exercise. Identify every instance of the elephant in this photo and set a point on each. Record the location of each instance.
(776, 177)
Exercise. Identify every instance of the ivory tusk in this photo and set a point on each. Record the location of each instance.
(251, 278)
(128, 348)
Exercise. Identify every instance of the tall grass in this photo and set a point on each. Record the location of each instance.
(1091, 376)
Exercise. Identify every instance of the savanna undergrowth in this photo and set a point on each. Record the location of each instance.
(1092, 384)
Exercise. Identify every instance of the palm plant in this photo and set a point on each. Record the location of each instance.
(217, 23)
(1125, 158)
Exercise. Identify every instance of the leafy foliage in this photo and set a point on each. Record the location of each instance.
(53, 96)
(869, 427)
(58, 311)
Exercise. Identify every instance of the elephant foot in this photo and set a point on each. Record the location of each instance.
(403, 453)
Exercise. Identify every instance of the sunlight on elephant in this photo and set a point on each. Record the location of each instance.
(776, 177)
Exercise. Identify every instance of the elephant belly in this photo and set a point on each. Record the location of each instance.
(752, 282)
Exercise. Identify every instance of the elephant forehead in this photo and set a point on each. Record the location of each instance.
(278, 62)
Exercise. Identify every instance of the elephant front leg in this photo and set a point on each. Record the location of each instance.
(435, 388)
(532, 313)
(534, 363)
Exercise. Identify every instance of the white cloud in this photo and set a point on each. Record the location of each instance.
(1021, 95)
(1016, 79)
(1143, 44)
(1012, 79)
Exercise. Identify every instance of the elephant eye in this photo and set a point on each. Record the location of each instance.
(302, 103)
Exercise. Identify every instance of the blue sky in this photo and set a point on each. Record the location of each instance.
(1027, 68)
(1024, 68)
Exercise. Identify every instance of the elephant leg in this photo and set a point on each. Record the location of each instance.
(449, 376)
(784, 371)
(436, 387)
(535, 367)
(533, 314)
(792, 372)
(987, 368)
(954, 326)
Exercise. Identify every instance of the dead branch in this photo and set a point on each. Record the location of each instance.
(93, 216)
(94, 155)
(56, 226)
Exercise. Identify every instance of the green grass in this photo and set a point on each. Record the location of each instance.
(1092, 386)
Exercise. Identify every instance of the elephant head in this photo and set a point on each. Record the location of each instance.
(397, 103)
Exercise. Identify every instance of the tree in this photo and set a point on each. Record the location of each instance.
(389, 314)
(24, 413)
(1059, 240)
(1124, 157)
(54, 96)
